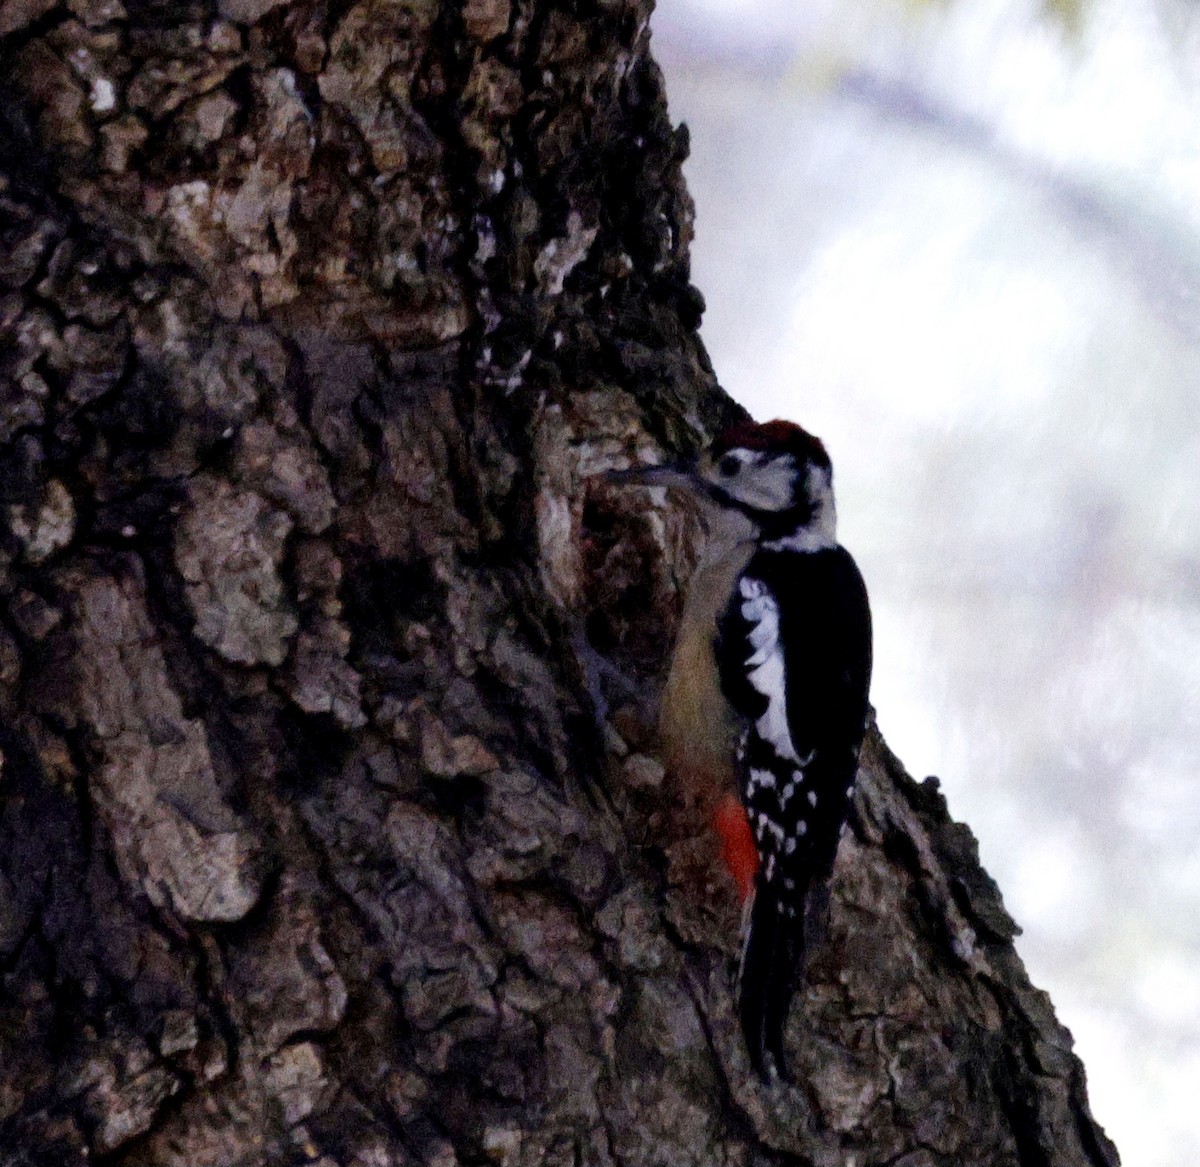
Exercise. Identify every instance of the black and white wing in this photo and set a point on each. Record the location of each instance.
(794, 652)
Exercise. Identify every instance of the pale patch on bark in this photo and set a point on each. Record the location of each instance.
(229, 548)
(47, 528)
(176, 837)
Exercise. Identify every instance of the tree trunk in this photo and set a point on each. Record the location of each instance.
(330, 827)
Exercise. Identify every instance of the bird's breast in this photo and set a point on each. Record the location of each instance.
(699, 730)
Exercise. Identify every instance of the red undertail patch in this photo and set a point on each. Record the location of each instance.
(737, 844)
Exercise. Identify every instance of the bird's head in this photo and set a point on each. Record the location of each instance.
(772, 482)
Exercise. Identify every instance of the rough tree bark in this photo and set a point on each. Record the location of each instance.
(330, 826)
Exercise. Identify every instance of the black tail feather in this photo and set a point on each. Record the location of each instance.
(771, 965)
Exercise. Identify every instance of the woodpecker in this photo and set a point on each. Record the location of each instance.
(765, 705)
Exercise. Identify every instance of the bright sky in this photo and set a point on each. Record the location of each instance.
(963, 246)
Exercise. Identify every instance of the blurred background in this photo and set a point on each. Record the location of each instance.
(961, 242)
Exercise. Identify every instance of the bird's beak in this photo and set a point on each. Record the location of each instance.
(679, 474)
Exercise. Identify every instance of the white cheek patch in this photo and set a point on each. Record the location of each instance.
(765, 669)
(769, 486)
(761, 481)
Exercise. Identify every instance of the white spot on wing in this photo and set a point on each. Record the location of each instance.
(765, 669)
(763, 779)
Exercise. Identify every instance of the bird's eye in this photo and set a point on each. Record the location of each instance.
(729, 466)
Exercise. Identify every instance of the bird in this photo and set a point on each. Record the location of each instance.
(766, 701)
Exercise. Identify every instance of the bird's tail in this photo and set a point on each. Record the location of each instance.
(771, 966)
